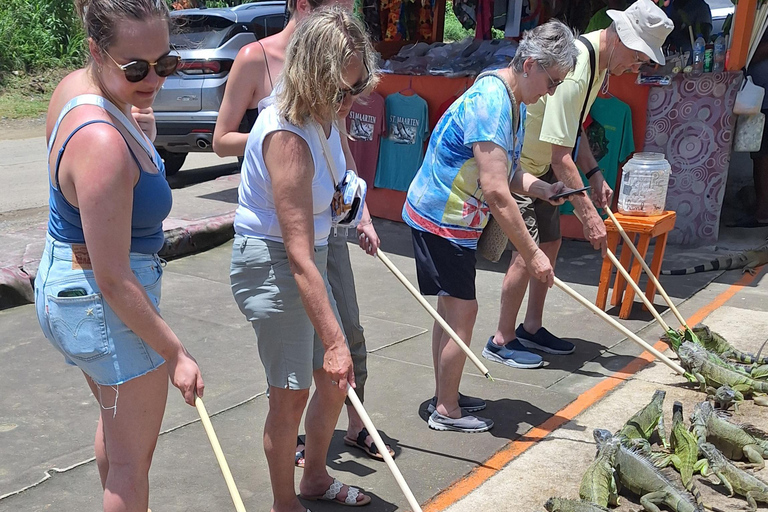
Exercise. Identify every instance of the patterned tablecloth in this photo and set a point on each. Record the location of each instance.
(691, 122)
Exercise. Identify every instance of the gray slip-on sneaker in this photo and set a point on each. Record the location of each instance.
(468, 423)
(468, 403)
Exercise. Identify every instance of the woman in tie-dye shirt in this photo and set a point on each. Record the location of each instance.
(468, 170)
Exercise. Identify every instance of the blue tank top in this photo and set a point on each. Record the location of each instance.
(152, 197)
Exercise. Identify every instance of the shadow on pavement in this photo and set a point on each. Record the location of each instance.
(189, 177)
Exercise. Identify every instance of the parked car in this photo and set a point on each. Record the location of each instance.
(208, 40)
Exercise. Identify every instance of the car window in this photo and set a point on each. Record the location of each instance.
(202, 31)
(264, 26)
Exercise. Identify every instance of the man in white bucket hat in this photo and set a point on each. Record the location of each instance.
(550, 150)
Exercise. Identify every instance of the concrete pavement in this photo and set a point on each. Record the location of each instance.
(47, 416)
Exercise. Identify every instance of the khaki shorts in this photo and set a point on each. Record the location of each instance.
(541, 217)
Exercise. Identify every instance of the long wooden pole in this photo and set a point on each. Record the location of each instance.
(642, 262)
(637, 289)
(626, 332)
(447, 328)
(239, 507)
(383, 450)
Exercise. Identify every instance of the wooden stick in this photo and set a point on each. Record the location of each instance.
(626, 332)
(239, 507)
(383, 450)
(447, 328)
(637, 289)
(643, 264)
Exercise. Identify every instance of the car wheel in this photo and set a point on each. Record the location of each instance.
(172, 161)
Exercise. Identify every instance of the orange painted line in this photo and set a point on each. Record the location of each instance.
(468, 483)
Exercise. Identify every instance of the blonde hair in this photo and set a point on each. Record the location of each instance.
(323, 44)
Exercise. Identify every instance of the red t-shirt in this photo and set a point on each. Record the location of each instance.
(366, 124)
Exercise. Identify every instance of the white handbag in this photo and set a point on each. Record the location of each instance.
(749, 99)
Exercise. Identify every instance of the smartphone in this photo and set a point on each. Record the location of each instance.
(73, 292)
(569, 193)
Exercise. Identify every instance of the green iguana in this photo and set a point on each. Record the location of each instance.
(748, 261)
(685, 452)
(710, 376)
(720, 351)
(598, 485)
(736, 480)
(566, 505)
(637, 473)
(644, 422)
(735, 441)
(725, 397)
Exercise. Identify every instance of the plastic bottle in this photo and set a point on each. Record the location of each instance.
(718, 58)
(709, 53)
(644, 182)
(698, 56)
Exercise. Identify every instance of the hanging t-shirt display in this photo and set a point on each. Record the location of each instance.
(402, 150)
(366, 124)
(610, 139)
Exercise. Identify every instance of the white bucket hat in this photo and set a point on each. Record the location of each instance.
(643, 27)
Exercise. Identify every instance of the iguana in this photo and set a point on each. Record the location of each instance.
(697, 361)
(637, 473)
(644, 422)
(735, 441)
(566, 505)
(748, 261)
(716, 343)
(719, 346)
(598, 485)
(685, 452)
(725, 397)
(736, 480)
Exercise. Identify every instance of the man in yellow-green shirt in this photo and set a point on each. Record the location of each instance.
(552, 127)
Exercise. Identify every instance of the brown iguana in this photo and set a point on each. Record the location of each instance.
(735, 441)
(710, 376)
(736, 480)
(598, 485)
(748, 261)
(637, 473)
(644, 422)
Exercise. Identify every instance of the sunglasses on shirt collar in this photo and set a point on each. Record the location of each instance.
(137, 70)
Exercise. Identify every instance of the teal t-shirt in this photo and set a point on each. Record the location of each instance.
(610, 139)
(402, 149)
(445, 197)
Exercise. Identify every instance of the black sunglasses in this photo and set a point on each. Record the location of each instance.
(137, 70)
(357, 89)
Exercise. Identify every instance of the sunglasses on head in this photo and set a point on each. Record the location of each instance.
(137, 70)
(357, 89)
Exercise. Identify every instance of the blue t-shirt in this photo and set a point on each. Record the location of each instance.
(445, 196)
(402, 149)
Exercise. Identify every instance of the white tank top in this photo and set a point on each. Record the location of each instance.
(256, 215)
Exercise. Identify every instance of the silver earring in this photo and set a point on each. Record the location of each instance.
(525, 75)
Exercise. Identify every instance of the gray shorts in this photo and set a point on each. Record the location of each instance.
(267, 294)
(541, 217)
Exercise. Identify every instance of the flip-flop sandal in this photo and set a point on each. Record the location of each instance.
(299, 461)
(372, 451)
(334, 490)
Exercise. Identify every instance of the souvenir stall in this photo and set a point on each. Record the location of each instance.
(689, 119)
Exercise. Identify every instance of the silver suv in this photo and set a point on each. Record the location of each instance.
(208, 40)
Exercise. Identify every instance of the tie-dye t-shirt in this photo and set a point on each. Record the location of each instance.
(445, 196)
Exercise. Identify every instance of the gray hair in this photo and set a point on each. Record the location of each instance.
(551, 45)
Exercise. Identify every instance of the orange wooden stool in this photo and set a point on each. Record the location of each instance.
(646, 228)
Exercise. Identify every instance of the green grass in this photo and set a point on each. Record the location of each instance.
(27, 95)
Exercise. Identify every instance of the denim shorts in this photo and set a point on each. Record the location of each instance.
(266, 293)
(80, 324)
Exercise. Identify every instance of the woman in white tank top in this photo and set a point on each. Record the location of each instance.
(280, 251)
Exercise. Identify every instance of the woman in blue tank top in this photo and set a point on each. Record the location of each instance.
(97, 291)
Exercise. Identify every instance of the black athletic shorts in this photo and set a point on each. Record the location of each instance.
(443, 267)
